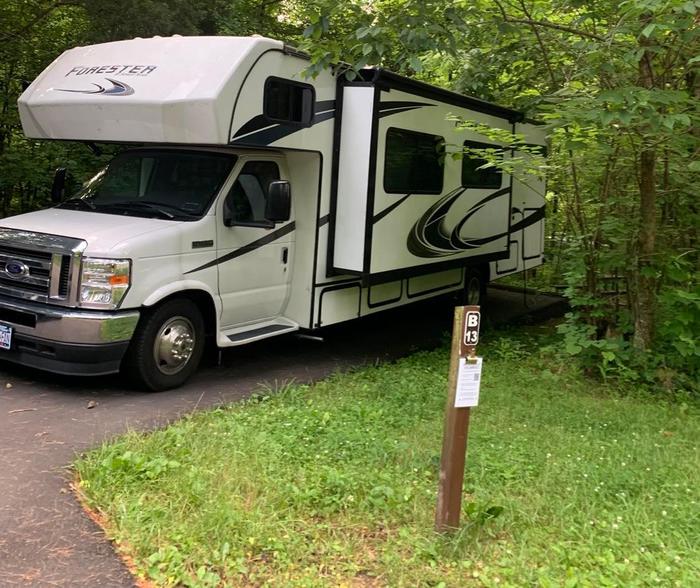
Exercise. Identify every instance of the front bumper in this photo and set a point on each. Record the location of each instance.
(65, 340)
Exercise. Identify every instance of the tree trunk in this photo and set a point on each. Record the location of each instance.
(645, 311)
(646, 279)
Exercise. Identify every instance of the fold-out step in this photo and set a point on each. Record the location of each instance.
(259, 333)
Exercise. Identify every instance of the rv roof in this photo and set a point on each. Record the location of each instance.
(383, 77)
(170, 90)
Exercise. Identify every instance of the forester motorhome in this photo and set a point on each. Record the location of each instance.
(255, 202)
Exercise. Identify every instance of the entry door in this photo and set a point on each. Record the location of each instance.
(254, 268)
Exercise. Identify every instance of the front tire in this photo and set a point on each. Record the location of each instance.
(167, 346)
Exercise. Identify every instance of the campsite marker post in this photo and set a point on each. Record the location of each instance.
(463, 392)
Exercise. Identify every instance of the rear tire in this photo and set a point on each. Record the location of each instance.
(167, 346)
(475, 283)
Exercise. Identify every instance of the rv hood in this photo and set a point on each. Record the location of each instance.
(106, 234)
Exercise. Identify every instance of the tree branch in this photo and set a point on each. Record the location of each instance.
(551, 25)
(547, 24)
(543, 49)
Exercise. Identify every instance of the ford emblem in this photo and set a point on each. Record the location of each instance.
(16, 269)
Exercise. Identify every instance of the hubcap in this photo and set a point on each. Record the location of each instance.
(473, 291)
(174, 344)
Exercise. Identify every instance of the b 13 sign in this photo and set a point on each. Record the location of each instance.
(471, 327)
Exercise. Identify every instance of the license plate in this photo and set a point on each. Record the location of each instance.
(5, 337)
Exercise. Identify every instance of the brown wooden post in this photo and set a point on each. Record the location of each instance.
(454, 444)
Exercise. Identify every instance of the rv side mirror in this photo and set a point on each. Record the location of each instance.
(279, 202)
(59, 185)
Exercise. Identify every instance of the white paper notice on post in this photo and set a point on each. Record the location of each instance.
(468, 383)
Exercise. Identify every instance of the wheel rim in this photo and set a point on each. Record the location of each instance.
(473, 291)
(174, 345)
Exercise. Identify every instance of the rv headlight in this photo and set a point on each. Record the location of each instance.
(104, 282)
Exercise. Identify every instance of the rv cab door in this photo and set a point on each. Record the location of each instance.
(255, 254)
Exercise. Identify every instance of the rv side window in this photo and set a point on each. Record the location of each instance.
(413, 162)
(472, 177)
(248, 196)
(290, 102)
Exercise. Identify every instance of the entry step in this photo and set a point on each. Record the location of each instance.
(239, 337)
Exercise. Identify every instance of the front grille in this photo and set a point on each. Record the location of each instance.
(39, 255)
(24, 286)
(39, 267)
(64, 277)
(36, 279)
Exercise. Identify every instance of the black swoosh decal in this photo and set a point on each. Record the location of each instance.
(269, 238)
(100, 90)
(259, 130)
(268, 135)
(260, 121)
(380, 215)
(523, 224)
(270, 131)
(396, 107)
(397, 111)
(430, 237)
(280, 131)
(322, 105)
(254, 124)
(457, 242)
(527, 221)
(118, 89)
(389, 104)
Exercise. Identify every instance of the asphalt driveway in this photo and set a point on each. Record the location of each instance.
(45, 420)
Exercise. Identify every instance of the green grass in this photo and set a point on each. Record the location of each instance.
(334, 484)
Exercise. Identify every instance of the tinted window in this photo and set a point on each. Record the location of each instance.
(247, 199)
(124, 177)
(413, 162)
(289, 101)
(472, 177)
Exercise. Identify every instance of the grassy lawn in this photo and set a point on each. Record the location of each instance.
(568, 483)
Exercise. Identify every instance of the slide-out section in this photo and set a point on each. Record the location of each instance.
(350, 219)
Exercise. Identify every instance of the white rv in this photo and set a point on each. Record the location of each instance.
(253, 202)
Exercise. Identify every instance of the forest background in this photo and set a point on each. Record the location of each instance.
(616, 83)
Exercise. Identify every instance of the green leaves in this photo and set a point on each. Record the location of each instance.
(134, 465)
(415, 63)
(632, 108)
(648, 30)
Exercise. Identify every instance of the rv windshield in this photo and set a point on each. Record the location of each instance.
(168, 184)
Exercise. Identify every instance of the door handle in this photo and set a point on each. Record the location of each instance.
(285, 254)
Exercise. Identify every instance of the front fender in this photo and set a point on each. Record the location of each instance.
(182, 286)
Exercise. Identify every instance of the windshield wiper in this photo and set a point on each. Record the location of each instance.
(78, 203)
(177, 209)
(132, 204)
